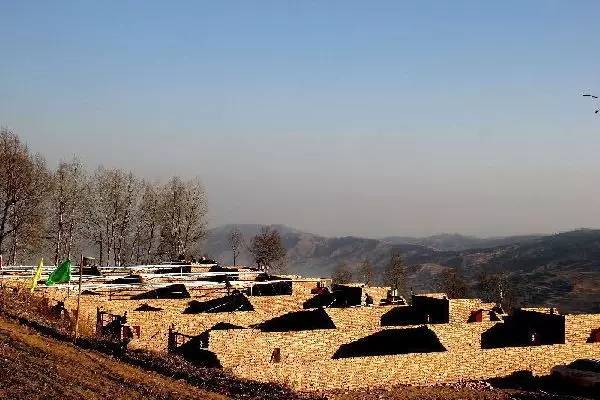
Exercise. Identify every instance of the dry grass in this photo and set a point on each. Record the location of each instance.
(17, 301)
(423, 393)
(468, 391)
(38, 367)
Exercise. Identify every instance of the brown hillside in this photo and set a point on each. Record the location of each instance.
(38, 367)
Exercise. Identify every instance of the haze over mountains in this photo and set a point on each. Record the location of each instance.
(556, 270)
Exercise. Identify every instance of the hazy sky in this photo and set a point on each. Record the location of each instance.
(337, 117)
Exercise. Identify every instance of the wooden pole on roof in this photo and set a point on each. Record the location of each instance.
(78, 298)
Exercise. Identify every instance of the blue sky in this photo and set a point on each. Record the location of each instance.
(338, 117)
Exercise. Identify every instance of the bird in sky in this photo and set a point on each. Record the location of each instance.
(592, 96)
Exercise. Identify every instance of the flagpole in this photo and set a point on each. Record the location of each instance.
(78, 298)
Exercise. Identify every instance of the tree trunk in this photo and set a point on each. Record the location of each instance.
(5, 211)
(13, 253)
(150, 242)
(57, 250)
(100, 242)
(70, 240)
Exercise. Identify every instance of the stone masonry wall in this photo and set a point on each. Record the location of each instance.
(415, 369)
(460, 309)
(306, 358)
(306, 361)
(580, 326)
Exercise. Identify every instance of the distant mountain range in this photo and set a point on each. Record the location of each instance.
(458, 242)
(559, 270)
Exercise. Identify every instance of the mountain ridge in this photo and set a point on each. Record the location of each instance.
(556, 269)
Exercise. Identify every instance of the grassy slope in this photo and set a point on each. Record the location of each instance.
(36, 367)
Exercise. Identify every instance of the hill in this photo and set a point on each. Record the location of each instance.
(458, 242)
(315, 255)
(36, 367)
(561, 269)
(558, 270)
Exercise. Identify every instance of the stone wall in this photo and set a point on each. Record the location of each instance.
(306, 361)
(376, 292)
(415, 369)
(579, 327)
(460, 309)
(155, 325)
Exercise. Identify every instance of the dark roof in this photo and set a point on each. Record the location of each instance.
(340, 296)
(147, 307)
(229, 303)
(90, 292)
(224, 326)
(280, 288)
(298, 321)
(264, 277)
(175, 291)
(218, 268)
(392, 341)
(221, 278)
(128, 279)
(174, 270)
(525, 328)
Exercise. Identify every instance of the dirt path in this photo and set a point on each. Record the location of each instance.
(38, 367)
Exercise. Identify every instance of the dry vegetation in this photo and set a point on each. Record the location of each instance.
(453, 392)
(38, 367)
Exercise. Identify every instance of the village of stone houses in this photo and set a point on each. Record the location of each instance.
(307, 333)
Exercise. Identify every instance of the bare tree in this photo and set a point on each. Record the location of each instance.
(94, 215)
(366, 272)
(498, 288)
(268, 251)
(113, 194)
(395, 273)
(341, 274)
(124, 218)
(123, 215)
(27, 216)
(185, 208)
(149, 217)
(98, 213)
(67, 196)
(489, 287)
(23, 182)
(13, 154)
(235, 242)
(451, 282)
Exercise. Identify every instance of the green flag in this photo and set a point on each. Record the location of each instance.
(61, 274)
